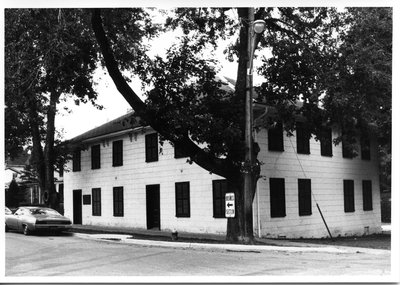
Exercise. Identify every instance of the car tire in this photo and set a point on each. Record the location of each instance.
(26, 230)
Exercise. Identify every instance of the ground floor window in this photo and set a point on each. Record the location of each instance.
(348, 189)
(367, 195)
(219, 191)
(96, 201)
(118, 201)
(277, 197)
(304, 197)
(182, 199)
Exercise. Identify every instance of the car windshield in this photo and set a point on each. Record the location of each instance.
(41, 211)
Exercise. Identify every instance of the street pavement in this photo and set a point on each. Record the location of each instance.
(101, 255)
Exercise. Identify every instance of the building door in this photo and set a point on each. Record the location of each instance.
(153, 206)
(77, 207)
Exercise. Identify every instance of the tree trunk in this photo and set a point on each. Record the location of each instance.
(50, 194)
(37, 157)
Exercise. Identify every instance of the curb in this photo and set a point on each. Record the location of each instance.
(229, 247)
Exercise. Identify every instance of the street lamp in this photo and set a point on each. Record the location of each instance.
(255, 27)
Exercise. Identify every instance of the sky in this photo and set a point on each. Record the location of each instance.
(86, 117)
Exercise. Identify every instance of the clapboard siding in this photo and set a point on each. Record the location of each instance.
(326, 174)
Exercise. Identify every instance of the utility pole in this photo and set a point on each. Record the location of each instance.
(248, 132)
(254, 27)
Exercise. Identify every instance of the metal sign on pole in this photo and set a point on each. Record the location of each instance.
(230, 205)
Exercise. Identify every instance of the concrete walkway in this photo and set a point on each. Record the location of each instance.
(207, 241)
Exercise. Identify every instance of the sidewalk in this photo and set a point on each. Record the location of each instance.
(206, 241)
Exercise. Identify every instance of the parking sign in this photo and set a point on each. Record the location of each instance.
(230, 205)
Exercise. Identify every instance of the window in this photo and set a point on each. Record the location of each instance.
(302, 139)
(61, 193)
(151, 147)
(348, 146)
(367, 195)
(277, 197)
(182, 199)
(275, 138)
(219, 190)
(117, 153)
(96, 156)
(118, 201)
(179, 152)
(304, 197)
(76, 160)
(365, 148)
(326, 142)
(348, 188)
(96, 202)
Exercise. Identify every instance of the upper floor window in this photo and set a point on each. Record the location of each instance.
(117, 153)
(348, 147)
(275, 138)
(96, 156)
(151, 142)
(326, 142)
(365, 148)
(348, 191)
(179, 152)
(277, 197)
(76, 160)
(219, 190)
(302, 139)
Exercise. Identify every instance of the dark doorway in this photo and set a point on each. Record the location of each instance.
(153, 206)
(77, 207)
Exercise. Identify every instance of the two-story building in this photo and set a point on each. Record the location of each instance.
(122, 177)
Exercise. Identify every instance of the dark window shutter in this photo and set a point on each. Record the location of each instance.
(179, 152)
(302, 139)
(367, 195)
(182, 199)
(96, 202)
(118, 201)
(219, 190)
(304, 196)
(275, 138)
(348, 188)
(96, 156)
(117, 153)
(326, 142)
(277, 197)
(151, 142)
(76, 160)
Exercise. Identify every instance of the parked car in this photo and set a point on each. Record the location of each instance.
(8, 211)
(31, 218)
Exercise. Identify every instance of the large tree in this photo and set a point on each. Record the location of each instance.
(190, 107)
(49, 57)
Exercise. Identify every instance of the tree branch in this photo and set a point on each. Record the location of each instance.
(199, 156)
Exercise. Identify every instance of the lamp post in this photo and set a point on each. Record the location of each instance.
(255, 27)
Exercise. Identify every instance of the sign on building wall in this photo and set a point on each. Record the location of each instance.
(230, 205)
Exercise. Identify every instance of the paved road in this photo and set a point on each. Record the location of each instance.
(69, 255)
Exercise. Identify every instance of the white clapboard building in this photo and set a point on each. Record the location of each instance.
(123, 177)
